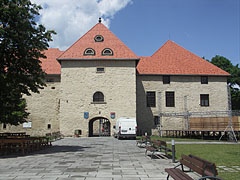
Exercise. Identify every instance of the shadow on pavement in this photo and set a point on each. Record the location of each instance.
(49, 150)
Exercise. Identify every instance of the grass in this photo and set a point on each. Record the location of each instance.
(221, 154)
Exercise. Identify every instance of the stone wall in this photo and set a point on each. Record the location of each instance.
(44, 110)
(79, 81)
(189, 86)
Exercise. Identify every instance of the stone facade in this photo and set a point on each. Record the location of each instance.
(189, 86)
(79, 81)
(44, 112)
(99, 63)
(62, 104)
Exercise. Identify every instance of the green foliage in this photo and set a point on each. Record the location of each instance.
(233, 80)
(21, 44)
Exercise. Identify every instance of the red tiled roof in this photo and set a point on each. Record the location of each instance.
(174, 59)
(50, 65)
(120, 50)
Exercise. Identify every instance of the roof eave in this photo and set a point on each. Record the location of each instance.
(149, 74)
(94, 59)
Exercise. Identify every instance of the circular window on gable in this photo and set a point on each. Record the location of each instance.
(89, 52)
(107, 52)
(98, 38)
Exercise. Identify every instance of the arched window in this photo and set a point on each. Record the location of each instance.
(99, 38)
(89, 52)
(98, 97)
(107, 52)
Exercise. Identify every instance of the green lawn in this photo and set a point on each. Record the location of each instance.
(221, 154)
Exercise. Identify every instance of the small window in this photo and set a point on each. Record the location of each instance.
(204, 99)
(107, 52)
(4, 126)
(99, 38)
(98, 97)
(170, 101)
(49, 126)
(151, 99)
(53, 87)
(100, 70)
(89, 52)
(166, 79)
(156, 120)
(204, 80)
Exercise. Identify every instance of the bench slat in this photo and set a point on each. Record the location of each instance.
(177, 174)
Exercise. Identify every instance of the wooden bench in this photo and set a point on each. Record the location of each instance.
(157, 146)
(12, 146)
(143, 141)
(204, 168)
(23, 145)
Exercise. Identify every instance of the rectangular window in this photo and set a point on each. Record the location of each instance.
(151, 99)
(204, 99)
(204, 80)
(156, 120)
(4, 126)
(49, 126)
(100, 70)
(166, 79)
(170, 102)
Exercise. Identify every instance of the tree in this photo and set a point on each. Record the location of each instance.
(22, 42)
(233, 80)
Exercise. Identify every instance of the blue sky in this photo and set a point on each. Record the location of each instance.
(204, 27)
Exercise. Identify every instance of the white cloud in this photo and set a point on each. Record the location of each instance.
(72, 18)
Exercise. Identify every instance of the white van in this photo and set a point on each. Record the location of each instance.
(125, 128)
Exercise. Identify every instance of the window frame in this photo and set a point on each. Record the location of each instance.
(89, 54)
(151, 98)
(156, 120)
(96, 98)
(107, 54)
(204, 79)
(204, 100)
(97, 71)
(96, 38)
(166, 79)
(170, 100)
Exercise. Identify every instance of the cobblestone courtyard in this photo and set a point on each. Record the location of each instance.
(102, 158)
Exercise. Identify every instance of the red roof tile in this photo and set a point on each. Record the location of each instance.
(120, 50)
(50, 65)
(174, 59)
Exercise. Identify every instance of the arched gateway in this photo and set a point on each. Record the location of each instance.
(99, 126)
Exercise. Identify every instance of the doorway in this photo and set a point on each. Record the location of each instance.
(99, 126)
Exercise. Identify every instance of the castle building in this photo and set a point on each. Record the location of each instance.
(99, 79)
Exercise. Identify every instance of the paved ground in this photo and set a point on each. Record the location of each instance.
(103, 158)
(86, 159)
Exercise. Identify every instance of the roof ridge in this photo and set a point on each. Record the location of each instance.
(200, 59)
(161, 47)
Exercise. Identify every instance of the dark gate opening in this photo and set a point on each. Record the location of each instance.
(99, 126)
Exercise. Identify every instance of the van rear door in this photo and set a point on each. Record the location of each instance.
(128, 127)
